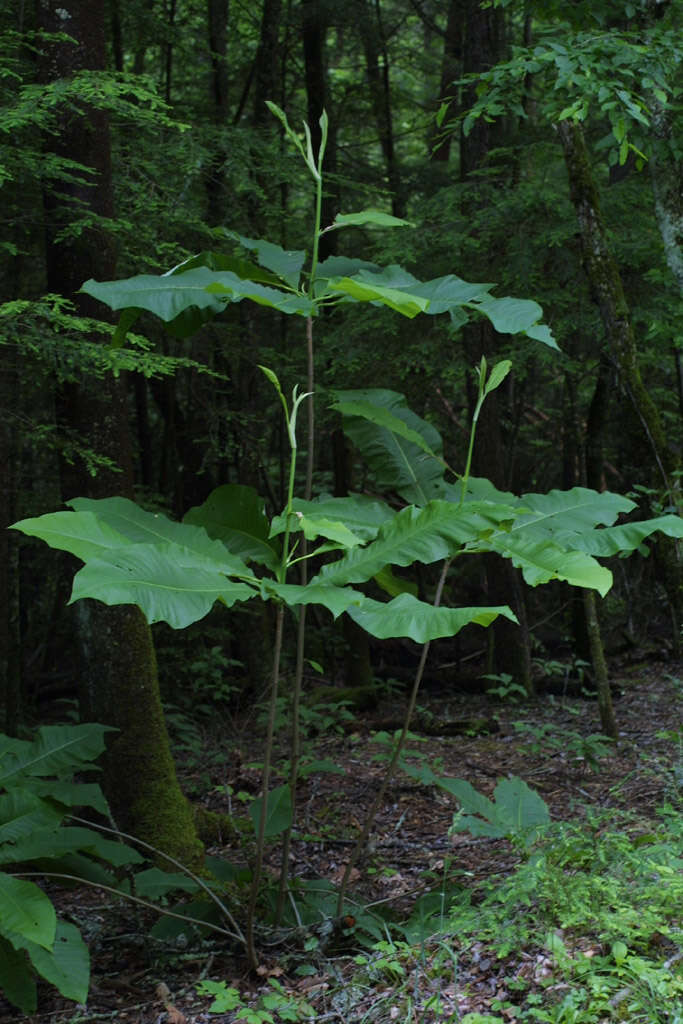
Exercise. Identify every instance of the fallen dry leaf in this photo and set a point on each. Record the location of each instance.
(174, 1016)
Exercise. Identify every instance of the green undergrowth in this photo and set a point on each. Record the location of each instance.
(587, 929)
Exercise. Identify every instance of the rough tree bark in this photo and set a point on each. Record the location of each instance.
(119, 678)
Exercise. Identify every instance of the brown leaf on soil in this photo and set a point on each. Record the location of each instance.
(174, 1016)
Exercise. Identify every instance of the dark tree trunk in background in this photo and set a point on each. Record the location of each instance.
(377, 67)
(119, 678)
(482, 47)
(649, 437)
(217, 15)
(267, 66)
(451, 68)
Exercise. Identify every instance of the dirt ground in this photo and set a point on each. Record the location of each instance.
(138, 980)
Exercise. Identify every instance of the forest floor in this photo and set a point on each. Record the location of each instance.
(507, 934)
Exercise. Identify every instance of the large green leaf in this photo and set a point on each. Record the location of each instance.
(22, 813)
(278, 811)
(437, 531)
(511, 316)
(66, 965)
(56, 749)
(374, 217)
(542, 561)
(97, 527)
(376, 407)
(625, 538)
(516, 810)
(51, 844)
(235, 289)
(169, 583)
(403, 451)
(421, 622)
(25, 913)
(226, 261)
(83, 534)
(314, 526)
(16, 978)
(361, 514)
(167, 296)
(367, 291)
(335, 599)
(286, 263)
(235, 515)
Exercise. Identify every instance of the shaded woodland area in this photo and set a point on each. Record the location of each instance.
(536, 146)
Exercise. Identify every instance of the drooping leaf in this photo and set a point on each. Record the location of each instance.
(235, 514)
(278, 811)
(335, 599)
(362, 515)
(313, 527)
(437, 531)
(625, 538)
(515, 316)
(542, 561)
(385, 432)
(16, 978)
(66, 965)
(26, 913)
(421, 622)
(350, 404)
(169, 583)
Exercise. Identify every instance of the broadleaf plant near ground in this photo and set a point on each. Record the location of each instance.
(177, 571)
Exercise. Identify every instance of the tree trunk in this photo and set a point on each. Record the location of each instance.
(608, 292)
(482, 45)
(377, 68)
(120, 685)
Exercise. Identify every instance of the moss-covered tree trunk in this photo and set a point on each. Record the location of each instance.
(650, 443)
(119, 677)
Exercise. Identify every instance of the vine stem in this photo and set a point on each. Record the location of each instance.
(131, 899)
(176, 863)
(398, 748)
